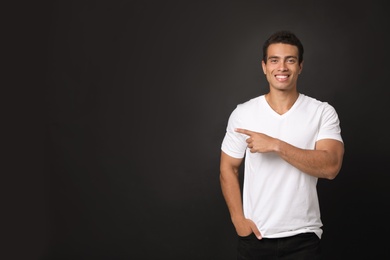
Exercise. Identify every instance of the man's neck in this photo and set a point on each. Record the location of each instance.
(281, 102)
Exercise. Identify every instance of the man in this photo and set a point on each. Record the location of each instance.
(288, 140)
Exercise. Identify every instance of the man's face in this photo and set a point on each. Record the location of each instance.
(282, 67)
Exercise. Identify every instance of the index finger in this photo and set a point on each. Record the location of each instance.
(244, 131)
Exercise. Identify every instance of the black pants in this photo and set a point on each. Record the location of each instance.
(304, 246)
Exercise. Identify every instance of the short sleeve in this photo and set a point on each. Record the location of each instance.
(330, 124)
(234, 143)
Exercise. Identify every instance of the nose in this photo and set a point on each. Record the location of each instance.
(282, 66)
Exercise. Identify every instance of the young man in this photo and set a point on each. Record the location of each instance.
(288, 140)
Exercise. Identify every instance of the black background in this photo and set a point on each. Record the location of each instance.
(119, 108)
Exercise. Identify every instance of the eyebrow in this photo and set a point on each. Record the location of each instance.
(287, 57)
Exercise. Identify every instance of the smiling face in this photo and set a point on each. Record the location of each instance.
(282, 67)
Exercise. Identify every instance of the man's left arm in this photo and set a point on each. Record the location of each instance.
(323, 162)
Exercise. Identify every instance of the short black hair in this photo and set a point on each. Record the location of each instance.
(286, 37)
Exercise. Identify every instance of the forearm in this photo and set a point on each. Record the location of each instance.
(321, 163)
(324, 161)
(231, 191)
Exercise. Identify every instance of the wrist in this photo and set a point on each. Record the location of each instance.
(278, 145)
(238, 219)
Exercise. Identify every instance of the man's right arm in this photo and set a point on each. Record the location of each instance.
(230, 185)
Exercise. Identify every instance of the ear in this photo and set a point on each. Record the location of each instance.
(263, 65)
(300, 67)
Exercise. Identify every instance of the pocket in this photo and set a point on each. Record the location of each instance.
(248, 237)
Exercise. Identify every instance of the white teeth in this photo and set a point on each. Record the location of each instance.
(281, 77)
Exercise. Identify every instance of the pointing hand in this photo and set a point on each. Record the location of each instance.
(258, 142)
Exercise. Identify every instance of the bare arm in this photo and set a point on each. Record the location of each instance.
(323, 162)
(230, 185)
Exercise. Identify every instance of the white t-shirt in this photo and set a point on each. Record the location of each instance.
(278, 197)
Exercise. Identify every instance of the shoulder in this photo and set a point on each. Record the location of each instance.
(250, 104)
(245, 110)
(315, 103)
(321, 108)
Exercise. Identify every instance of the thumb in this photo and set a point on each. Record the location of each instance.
(256, 231)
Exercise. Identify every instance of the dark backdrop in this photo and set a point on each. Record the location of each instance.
(121, 107)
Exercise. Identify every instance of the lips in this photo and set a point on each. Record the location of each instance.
(281, 77)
